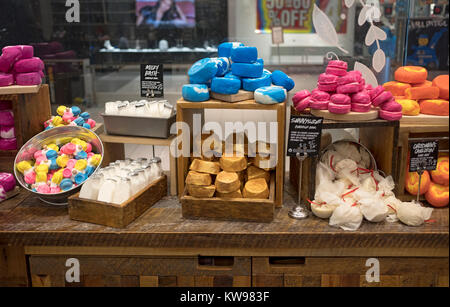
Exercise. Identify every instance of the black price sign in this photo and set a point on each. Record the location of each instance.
(305, 133)
(423, 156)
(152, 80)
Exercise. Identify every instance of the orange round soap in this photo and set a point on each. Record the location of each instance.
(437, 107)
(418, 93)
(440, 175)
(423, 84)
(412, 183)
(411, 74)
(437, 195)
(441, 82)
(410, 107)
(396, 88)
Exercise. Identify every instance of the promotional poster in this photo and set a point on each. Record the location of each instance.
(166, 13)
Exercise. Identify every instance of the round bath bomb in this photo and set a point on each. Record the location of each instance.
(244, 54)
(349, 88)
(392, 106)
(6, 79)
(226, 86)
(437, 195)
(418, 93)
(423, 84)
(281, 79)
(252, 84)
(382, 98)
(225, 48)
(340, 99)
(29, 65)
(270, 95)
(396, 88)
(195, 92)
(412, 183)
(374, 93)
(339, 108)
(442, 83)
(439, 107)
(223, 66)
(409, 107)
(305, 103)
(32, 78)
(350, 77)
(391, 116)
(361, 98)
(247, 70)
(338, 64)
(440, 175)
(411, 74)
(203, 71)
(336, 71)
(330, 88)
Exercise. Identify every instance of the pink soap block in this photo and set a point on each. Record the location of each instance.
(336, 71)
(382, 98)
(29, 65)
(6, 118)
(392, 106)
(300, 96)
(328, 79)
(391, 116)
(319, 105)
(339, 108)
(8, 58)
(327, 87)
(341, 99)
(32, 78)
(361, 98)
(304, 104)
(361, 108)
(7, 181)
(349, 88)
(320, 95)
(5, 105)
(7, 132)
(26, 51)
(6, 79)
(8, 144)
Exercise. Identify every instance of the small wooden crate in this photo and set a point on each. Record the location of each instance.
(185, 112)
(117, 216)
(237, 209)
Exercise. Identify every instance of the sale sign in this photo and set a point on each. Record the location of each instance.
(295, 16)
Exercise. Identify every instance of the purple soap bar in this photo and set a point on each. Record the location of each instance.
(6, 118)
(8, 144)
(32, 78)
(8, 58)
(29, 65)
(7, 132)
(6, 79)
(7, 181)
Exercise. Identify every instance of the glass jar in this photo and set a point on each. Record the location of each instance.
(157, 165)
(122, 194)
(91, 188)
(142, 179)
(147, 168)
(116, 167)
(134, 177)
(106, 192)
(142, 161)
(135, 166)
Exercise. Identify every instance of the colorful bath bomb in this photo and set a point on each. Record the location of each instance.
(226, 86)
(412, 183)
(440, 175)
(411, 74)
(203, 71)
(442, 83)
(438, 107)
(396, 88)
(419, 93)
(270, 95)
(410, 107)
(195, 92)
(282, 79)
(437, 195)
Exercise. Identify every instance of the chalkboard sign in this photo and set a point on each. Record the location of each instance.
(306, 133)
(423, 156)
(152, 80)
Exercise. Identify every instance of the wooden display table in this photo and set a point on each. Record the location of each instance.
(163, 249)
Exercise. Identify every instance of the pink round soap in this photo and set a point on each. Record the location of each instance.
(7, 132)
(339, 108)
(300, 96)
(319, 105)
(391, 116)
(29, 65)
(8, 144)
(349, 88)
(327, 87)
(341, 99)
(374, 93)
(320, 95)
(328, 79)
(338, 64)
(304, 104)
(30, 178)
(361, 98)
(392, 106)
(349, 78)
(7, 118)
(6, 79)
(336, 71)
(361, 108)
(7, 181)
(26, 79)
(382, 98)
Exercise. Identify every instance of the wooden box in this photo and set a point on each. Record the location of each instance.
(143, 271)
(117, 216)
(31, 108)
(185, 112)
(237, 209)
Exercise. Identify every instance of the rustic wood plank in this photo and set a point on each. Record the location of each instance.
(12, 203)
(241, 96)
(41, 281)
(13, 267)
(242, 281)
(185, 281)
(268, 280)
(20, 89)
(149, 281)
(291, 280)
(346, 280)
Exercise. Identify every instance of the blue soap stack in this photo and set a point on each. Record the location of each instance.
(237, 67)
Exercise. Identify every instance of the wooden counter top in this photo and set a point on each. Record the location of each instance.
(29, 222)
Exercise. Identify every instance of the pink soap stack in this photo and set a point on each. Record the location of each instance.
(7, 132)
(19, 66)
(7, 184)
(342, 92)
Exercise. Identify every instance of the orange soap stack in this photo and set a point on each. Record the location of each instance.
(418, 95)
(434, 184)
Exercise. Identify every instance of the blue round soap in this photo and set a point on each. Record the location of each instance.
(281, 79)
(223, 66)
(226, 86)
(85, 115)
(225, 48)
(230, 75)
(244, 54)
(252, 84)
(247, 70)
(260, 61)
(51, 154)
(53, 165)
(81, 155)
(76, 111)
(203, 71)
(195, 92)
(79, 121)
(87, 126)
(80, 178)
(66, 184)
(89, 170)
(270, 95)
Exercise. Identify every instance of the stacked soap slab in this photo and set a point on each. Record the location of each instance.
(8, 139)
(19, 66)
(237, 67)
(340, 92)
(7, 184)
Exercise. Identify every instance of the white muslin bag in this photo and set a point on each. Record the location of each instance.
(413, 214)
(374, 210)
(347, 217)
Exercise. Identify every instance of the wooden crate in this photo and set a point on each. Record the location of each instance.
(379, 136)
(31, 108)
(348, 272)
(185, 112)
(238, 209)
(169, 271)
(117, 216)
(410, 131)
